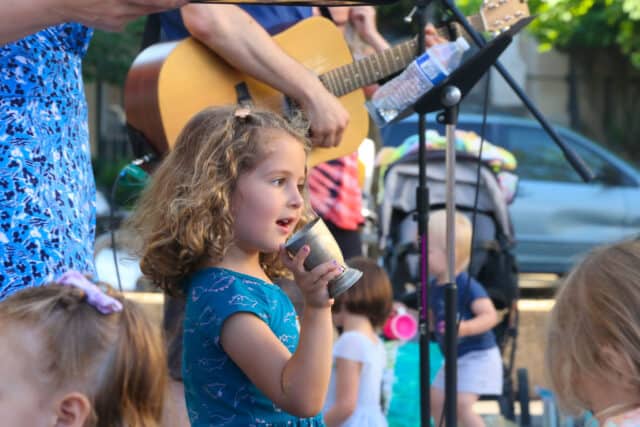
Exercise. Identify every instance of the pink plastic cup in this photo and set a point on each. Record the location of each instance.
(400, 326)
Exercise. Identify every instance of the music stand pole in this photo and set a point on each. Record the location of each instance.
(450, 100)
(422, 218)
(446, 95)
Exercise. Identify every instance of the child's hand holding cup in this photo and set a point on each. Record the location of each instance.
(323, 248)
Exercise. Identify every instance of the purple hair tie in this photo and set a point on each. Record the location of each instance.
(95, 296)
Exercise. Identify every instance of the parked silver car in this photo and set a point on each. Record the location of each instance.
(556, 216)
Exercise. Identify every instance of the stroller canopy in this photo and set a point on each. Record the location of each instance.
(401, 180)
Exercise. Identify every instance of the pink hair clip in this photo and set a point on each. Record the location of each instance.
(242, 112)
(95, 296)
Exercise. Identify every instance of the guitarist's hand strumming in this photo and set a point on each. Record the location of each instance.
(327, 116)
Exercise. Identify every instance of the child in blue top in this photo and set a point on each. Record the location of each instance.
(479, 361)
(213, 222)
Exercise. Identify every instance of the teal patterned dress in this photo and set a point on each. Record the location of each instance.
(218, 393)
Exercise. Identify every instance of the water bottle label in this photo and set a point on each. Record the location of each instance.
(431, 68)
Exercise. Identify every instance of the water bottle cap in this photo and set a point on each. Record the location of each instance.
(462, 43)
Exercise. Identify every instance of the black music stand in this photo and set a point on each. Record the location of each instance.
(447, 96)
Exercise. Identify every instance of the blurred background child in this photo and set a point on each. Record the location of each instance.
(593, 342)
(213, 221)
(71, 355)
(479, 361)
(359, 356)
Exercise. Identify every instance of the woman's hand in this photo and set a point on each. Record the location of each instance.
(431, 36)
(363, 20)
(312, 284)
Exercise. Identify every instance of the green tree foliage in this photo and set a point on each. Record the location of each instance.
(561, 24)
(569, 24)
(110, 54)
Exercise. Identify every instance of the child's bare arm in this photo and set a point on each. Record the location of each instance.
(296, 382)
(347, 384)
(305, 377)
(289, 381)
(485, 318)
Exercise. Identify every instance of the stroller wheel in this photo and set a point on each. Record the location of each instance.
(506, 399)
(505, 402)
(523, 397)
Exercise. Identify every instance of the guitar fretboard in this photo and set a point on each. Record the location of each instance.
(366, 71)
(363, 72)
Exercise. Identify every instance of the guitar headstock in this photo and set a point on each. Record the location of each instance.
(499, 15)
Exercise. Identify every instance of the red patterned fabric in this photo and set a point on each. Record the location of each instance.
(335, 192)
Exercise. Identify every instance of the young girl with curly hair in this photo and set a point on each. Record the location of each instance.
(213, 223)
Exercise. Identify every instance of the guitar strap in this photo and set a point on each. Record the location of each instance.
(151, 32)
(324, 10)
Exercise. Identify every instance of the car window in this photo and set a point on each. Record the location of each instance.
(538, 156)
(395, 134)
(604, 171)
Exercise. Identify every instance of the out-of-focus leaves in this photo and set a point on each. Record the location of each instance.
(110, 54)
(608, 24)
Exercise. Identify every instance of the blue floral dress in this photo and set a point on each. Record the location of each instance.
(47, 190)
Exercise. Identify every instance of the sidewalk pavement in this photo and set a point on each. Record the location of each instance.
(491, 414)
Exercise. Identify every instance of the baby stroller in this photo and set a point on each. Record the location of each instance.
(492, 260)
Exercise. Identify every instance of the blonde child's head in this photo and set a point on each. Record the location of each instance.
(184, 217)
(371, 296)
(594, 331)
(438, 241)
(76, 366)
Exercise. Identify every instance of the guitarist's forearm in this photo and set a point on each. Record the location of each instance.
(234, 35)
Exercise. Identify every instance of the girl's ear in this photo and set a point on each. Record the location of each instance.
(73, 411)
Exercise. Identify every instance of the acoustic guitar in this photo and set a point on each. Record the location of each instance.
(170, 82)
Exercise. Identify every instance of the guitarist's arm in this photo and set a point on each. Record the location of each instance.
(234, 35)
(363, 20)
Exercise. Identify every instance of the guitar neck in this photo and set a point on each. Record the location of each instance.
(363, 72)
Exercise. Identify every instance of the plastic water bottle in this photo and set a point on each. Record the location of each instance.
(418, 78)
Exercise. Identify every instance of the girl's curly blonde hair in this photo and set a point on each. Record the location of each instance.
(183, 217)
